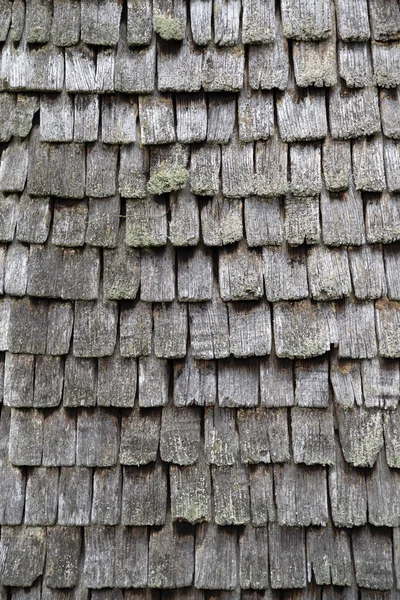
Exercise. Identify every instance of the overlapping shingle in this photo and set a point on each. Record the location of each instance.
(199, 318)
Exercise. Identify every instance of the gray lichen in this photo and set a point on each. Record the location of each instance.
(167, 27)
(167, 179)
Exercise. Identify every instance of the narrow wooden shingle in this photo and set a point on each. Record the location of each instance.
(345, 377)
(253, 556)
(372, 551)
(153, 381)
(287, 556)
(313, 436)
(263, 222)
(209, 333)
(41, 497)
(171, 558)
(195, 382)
(97, 440)
(315, 63)
(59, 439)
(306, 20)
(240, 273)
(144, 495)
(75, 496)
(195, 274)
(352, 20)
(140, 434)
(99, 556)
(264, 435)
(95, 328)
(221, 437)
(170, 330)
(392, 257)
(117, 381)
(136, 340)
(262, 501)
(343, 218)
(356, 327)
(106, 505)
(353, 113)
(285, 273)
(221, 221)
(301, 495)
(276, 381)
(191, 118)
(191, 492)
(180, 435)
(79, 382)
(367, 272)
(381, 383)
(383, 499)
(361, 435)
(336, 162)
(157, 274)
(355, 64)
(329, 556)
(63, 549)
(382, 219)
(215, 545)
(205, 166)
(238, 383)
(387, 317)
(348, 494)
(302, 220)
(139, 22)
(231, 495)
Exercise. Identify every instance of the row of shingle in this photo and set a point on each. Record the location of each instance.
(245, 171)
(329, 592)
(301, 329)
(174, 557)
(225, 22)
(184, 68)
(197, 117)
(335, 220)
(93, 437)
(99, 24)
(45, 381)
(276, 272)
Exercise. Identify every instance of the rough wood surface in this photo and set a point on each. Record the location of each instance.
(355, 65)
(263, 222)
(144, 495)
(232, 500)
(362, 440)
(313, 436)
(276, 381)
(264, 435)
(170, 330)
(215, 545)
(287, 546)
(140, 433)
(329, 556)
(285, 273)
(301, 495)
(342, 218)
(249, 329)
